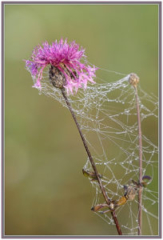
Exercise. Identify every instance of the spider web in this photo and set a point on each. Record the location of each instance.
(107, 115)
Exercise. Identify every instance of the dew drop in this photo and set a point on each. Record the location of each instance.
(126, 111)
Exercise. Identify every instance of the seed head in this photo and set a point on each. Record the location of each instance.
(133, 79)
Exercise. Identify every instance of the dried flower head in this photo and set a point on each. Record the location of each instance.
(65, 60)
(133, 79)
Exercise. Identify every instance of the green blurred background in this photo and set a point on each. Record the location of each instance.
(45, 191)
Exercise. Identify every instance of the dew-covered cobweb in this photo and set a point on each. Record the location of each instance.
(106, 112)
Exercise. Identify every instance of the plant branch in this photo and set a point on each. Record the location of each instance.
(134, 80)
(92, 162)
(140, 164)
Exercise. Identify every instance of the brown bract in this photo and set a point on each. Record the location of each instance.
(57, 78)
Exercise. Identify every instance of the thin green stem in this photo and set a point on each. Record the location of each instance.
(92, 162)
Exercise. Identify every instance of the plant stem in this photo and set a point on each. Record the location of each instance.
(91, 161)
(140, 164)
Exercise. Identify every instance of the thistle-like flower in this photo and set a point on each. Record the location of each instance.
(67, 61)
(68, 70)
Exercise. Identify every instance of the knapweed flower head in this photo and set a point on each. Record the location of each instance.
(66, 59)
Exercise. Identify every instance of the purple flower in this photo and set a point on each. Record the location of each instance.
(66, 58)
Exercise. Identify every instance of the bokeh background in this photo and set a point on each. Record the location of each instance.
(45, 191)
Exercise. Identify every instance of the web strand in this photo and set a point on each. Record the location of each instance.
(107, 116)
